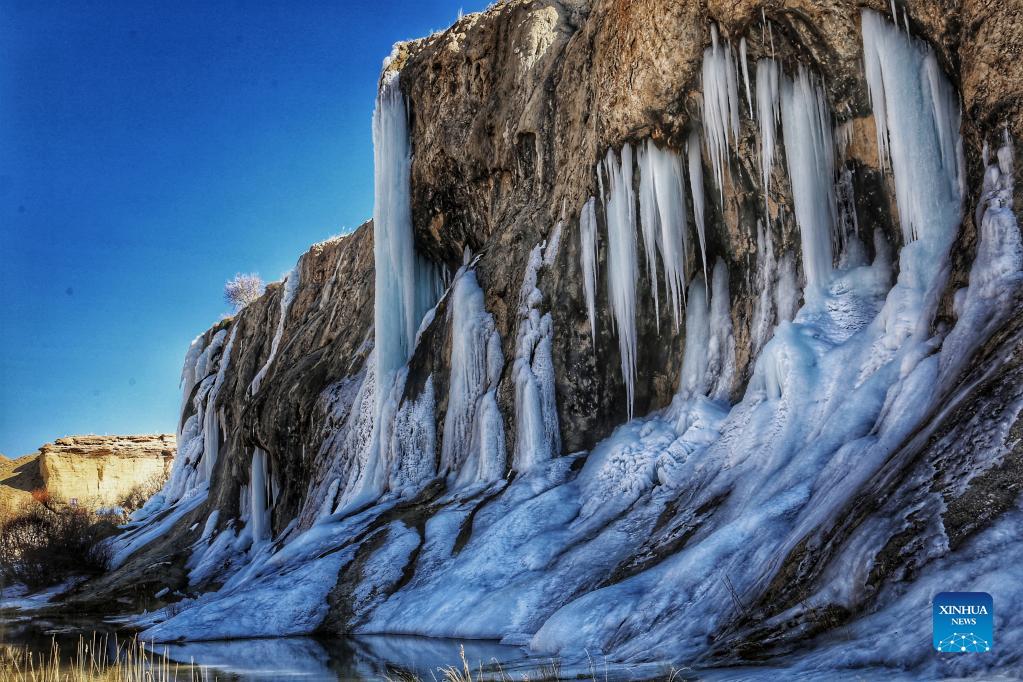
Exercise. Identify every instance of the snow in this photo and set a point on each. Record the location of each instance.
(291, 281)
(622, 270)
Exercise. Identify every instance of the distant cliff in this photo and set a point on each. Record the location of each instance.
(94, 471)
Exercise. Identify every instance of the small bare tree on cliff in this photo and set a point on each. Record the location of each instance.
(242, 290)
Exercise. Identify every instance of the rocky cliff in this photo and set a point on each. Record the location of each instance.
(94, 471)
(683, 331)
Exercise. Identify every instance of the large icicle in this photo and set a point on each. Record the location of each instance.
(621, 261)
(696, 182)
(745, 73)
(259, 497)
(287, 296)
(473, 447)
(405, 284)
(928, 202)
(810, 157)
(588, 261)
(537, 438)
(720, 104)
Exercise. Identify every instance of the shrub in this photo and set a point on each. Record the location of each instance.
(242, 290)
(43, 546)
(136, 498)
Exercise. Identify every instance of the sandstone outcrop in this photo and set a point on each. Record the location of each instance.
(92, 471)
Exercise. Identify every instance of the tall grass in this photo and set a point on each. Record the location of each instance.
(95, 661)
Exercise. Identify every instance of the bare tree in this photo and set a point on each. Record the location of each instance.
(242, 290)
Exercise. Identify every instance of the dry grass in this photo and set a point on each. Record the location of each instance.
(93, 661)
(495, 673)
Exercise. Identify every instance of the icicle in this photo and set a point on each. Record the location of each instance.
(588, 261)
(763, 310)
(925, 109)
(745, 73)
(622, 272)
(809, 152)
(696, 182)
(471, 451)
(537, 437)
(649, 221)
(720, 105)
(290, 287)
(768, 112)
(670, 194)
(259, 495)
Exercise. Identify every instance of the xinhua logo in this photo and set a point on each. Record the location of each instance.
(963, 622)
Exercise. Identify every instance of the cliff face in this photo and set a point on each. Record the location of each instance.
(94, 471)
(820, 351)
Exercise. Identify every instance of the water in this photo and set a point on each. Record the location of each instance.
(369, 657)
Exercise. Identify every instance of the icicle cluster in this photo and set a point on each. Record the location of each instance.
(904, 79)
(662, 208)
(720, 104)
(810, 156)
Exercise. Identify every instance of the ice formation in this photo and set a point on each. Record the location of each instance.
(720, 105)
(768, 114)
(537, 438)
(622, 271)
(663, 205)
(718, 494)
(696, 182)
(588, 260)
(473, 446)
(287, 296)
(810, 157)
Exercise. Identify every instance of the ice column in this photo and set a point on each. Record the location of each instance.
(810, 156)
(405, 285)
(622, 272)
(537, 438)
(473, 448)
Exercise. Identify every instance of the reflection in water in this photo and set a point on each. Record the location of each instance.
(350, 658)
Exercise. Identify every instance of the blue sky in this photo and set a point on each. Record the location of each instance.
(149, 151)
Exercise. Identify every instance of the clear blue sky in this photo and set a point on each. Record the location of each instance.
(149, 151)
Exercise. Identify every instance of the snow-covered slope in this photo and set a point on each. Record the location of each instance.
(750, 392)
